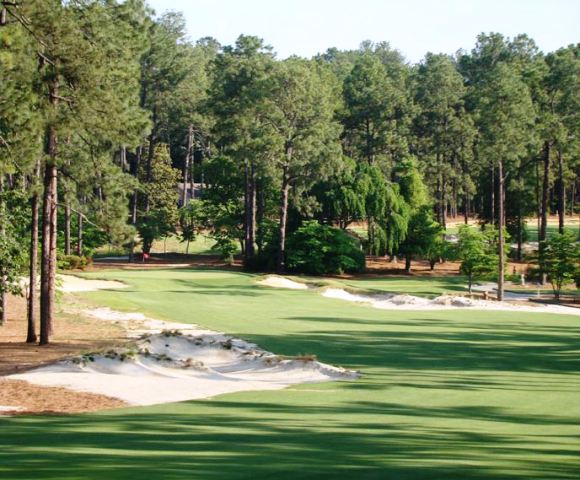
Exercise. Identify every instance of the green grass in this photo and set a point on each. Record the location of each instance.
(445, 394)
(173, 244)
(200, 246)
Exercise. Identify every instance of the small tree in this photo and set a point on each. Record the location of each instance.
(191, 220)
(475, 250)
(319, 249)
(12, 253)
(158, 215)
(560, 260)
(423, 232)
(439, 250)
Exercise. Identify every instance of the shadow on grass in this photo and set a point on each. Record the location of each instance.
(365, 431)
(224, 439)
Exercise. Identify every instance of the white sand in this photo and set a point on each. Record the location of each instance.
(182, 363)
(8, 409)
(444, 302)
(70, 284)
(281, 282)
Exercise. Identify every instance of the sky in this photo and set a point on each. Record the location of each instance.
(414, 27)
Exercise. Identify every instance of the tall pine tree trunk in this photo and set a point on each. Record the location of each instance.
(48, 259)
(501, 219)
(150, 156)
(443, 202)
(187, 166)
(545, 194)
(561, 193)
(33, 273)
(260, 212)
(134, 198)
(67, 222)
(80, 232)
(281, 261)
(492, 196)
(3, 300)
(520, 231)
(49, 223)
(250, 211)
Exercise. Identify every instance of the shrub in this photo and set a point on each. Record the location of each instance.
(560, 259)
(73, 262)
(319, 249)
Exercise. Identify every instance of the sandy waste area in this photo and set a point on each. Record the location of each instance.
(172, 362)
(443, 302)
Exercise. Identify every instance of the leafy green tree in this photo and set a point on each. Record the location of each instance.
(300, 112)
(506, 116)
(12, 256)
(423, 232)
(444, 131)
(241, 84)
(341, 197)
(559, 112)
(319, 249)
(190, 221)
(438, 250)
(376, 113)
(158, 215)
(561, 260)
(84, 85)
(475, 250)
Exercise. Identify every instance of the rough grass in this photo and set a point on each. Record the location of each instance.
(445, 395)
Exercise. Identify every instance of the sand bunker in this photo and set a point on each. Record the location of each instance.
(7, 409)
(281, 282)
(177, 365)
(444, 302)
(71, 284)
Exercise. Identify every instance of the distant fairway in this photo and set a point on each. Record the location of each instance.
(444, 395)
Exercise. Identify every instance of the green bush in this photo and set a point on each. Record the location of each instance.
(319, 249)
(227, 248)
(73, 262)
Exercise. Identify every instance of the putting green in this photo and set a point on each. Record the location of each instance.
(445, 395)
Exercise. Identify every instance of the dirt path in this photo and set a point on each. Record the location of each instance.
(73, 335)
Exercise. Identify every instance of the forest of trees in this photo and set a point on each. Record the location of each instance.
(105, 108)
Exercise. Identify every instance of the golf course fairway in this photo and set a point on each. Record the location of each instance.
(443, 395)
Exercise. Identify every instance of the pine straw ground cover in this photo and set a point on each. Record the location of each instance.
(444, 395)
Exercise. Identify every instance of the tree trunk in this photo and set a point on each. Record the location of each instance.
(49, 226)
(561, 193)
(80, 227)
(408, 263)
(260, 212)
(501, 219)
(67, 218)
(48, 261)
(150, 156)
(538, 202)
(545, 194)
(31, 336)
(187, 166)
(520, 231)
(3, 301)
(250, 211)
(443, 203)
(281, 261)
(135, 198)
(492, 199)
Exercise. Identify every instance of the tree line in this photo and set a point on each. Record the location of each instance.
(106, 108)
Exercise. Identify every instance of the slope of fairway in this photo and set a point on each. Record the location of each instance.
(445, 395)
